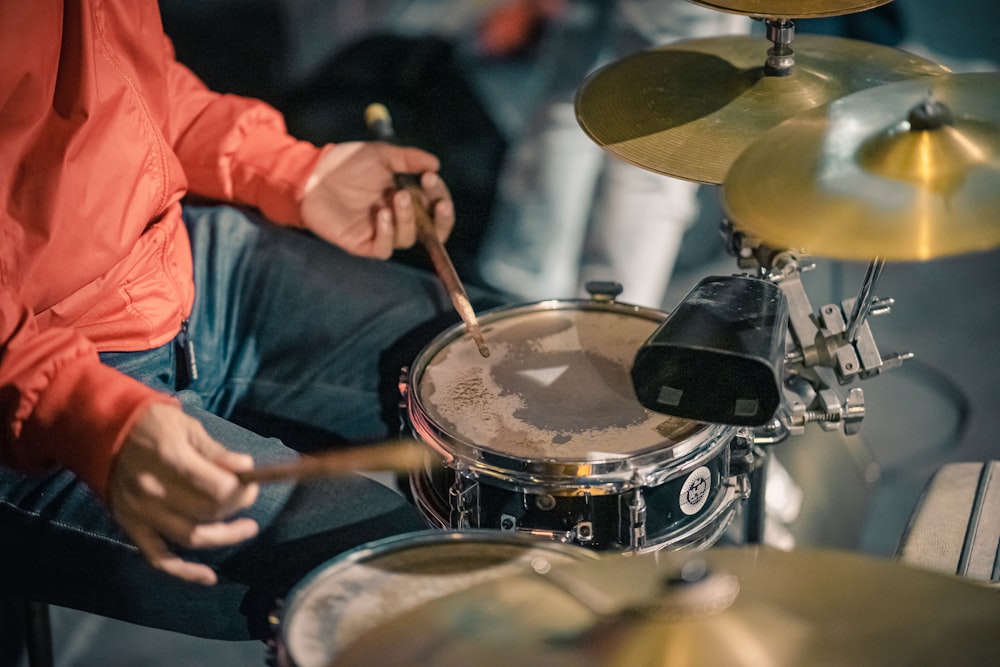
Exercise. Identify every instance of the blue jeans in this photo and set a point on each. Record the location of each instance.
(298, 346)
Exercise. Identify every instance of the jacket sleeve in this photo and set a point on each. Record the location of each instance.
(61, 406)
(236, 148)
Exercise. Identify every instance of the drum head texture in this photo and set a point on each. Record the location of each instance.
(556, 386)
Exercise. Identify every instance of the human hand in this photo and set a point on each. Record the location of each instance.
(173, 484)
(351, 201)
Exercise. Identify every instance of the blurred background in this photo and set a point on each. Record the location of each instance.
(472, 91)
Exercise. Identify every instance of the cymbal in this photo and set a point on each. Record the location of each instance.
(856, 179)
(749, 606)
(792, 9)
(690, 108)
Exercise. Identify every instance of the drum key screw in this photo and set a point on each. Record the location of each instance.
(817, 416)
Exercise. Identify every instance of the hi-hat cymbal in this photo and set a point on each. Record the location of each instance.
(753, 606)
(792, 9)
(689, 109)
(880, 173)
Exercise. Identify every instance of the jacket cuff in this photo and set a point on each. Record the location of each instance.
(82, 418)
(270, 170)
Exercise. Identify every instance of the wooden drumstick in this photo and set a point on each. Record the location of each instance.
(394, 455)
(380, 125)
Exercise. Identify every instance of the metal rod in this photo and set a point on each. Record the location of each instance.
(754, 520)
(39, 633)
(866, 295)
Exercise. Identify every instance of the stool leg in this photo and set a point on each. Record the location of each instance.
(38, 634)
(12, 625)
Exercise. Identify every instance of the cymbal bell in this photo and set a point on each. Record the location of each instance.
(908, 171)
(792, 9)
(725, 606)
(690, 108)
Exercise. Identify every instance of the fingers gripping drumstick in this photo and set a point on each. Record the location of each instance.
(380, 125)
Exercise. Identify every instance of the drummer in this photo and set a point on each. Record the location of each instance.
(150, 348)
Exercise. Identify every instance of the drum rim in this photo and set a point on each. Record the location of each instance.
(419, 538)
(608, 473)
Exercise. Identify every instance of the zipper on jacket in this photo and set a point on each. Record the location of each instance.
(187, 364)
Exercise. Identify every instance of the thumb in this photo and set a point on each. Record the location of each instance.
(215, 452)
(409, 160)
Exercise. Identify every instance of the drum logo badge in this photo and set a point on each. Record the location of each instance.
(694, 492)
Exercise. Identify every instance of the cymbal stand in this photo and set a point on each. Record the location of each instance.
(824, 352)
(780, 57)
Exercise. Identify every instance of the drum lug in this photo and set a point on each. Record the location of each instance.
(741, 460)
(637, 520)
(464, 502)
(508, 523)
(583, 532)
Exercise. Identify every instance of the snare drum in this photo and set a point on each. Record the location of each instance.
(361, 589)
(546, 436)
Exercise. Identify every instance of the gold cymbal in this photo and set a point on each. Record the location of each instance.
(752, 606)
(863, 177)
(792, 9)
(690, 108)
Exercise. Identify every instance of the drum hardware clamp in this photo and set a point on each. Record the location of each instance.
(826, 350)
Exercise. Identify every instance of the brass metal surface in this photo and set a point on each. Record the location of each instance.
(855, 180)
(791, 9)
(689, 109)
(742, 606)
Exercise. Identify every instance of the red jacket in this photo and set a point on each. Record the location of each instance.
(101, 134)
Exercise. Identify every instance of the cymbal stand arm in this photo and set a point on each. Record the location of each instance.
(866, 296)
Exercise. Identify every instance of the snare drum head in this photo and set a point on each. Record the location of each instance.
(556, 386)
(357, 591)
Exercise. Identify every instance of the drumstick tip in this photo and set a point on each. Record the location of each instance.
(484, 351)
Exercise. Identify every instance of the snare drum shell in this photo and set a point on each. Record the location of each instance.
(518, 462)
